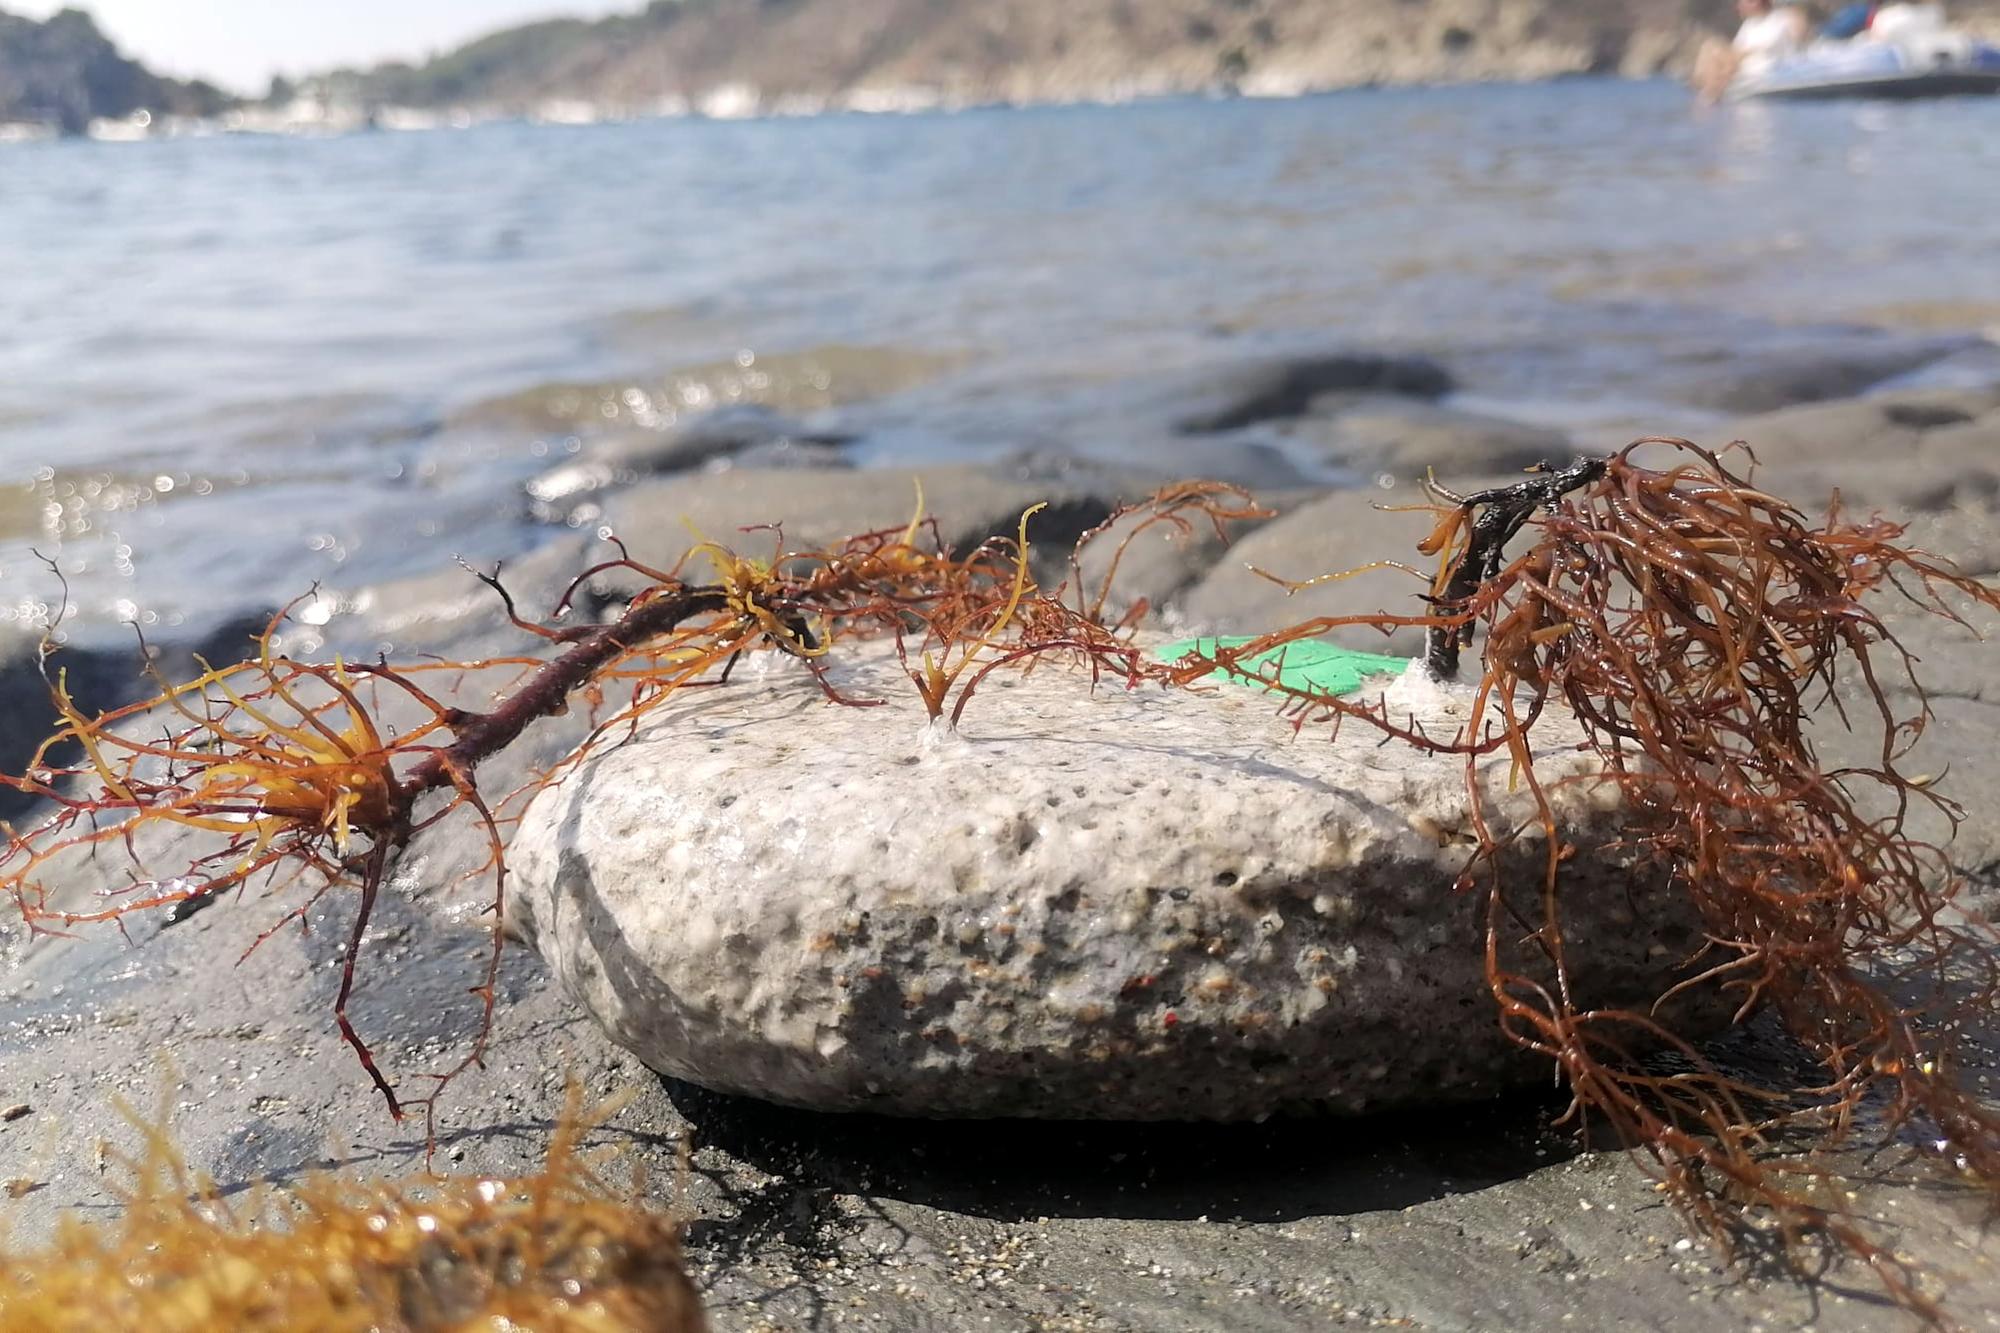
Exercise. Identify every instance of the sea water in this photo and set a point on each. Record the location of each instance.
(232, 366)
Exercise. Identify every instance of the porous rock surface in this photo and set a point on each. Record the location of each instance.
(1083, 904)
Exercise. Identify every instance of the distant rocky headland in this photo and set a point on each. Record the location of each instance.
(745, 57)
(62, 74)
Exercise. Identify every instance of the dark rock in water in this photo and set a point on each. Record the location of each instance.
(1935, 407)
(1107, 485)
(1272, 390)
(1166, 559)
(1404, 438)
(1219, 416)
(100, 676)
(1810, 374)
(25, 711)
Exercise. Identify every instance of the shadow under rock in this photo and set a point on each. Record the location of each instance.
(1018, 1170)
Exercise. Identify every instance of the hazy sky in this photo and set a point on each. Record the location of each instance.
(241, 43)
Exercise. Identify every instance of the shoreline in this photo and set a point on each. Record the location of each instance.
(746, 104)
(737, 59)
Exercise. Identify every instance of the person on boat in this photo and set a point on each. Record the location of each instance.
(1849, 22)
(1900, 23)
(1888, 24)
(1920, 36)
(1769, 33)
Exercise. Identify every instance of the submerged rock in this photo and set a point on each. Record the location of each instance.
(1407, 437)
(1278, 388)
(101, 674)
(1084, 904)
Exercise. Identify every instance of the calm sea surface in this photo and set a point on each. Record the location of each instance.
(232, 366)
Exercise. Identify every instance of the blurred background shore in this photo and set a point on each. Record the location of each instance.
(237, 365)
(725, 58)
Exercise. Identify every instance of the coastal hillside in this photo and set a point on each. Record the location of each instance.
(64, 73)
(736, 56)
(751, 53)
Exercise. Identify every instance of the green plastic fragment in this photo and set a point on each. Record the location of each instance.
(1308, 664)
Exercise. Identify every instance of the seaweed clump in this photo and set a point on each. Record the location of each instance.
(558, 1251)
(283, 777)
(1693, 624)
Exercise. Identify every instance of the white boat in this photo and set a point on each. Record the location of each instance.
(1908, 51)
(1865, 69)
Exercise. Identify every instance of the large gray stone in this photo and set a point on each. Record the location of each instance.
(1818, 432)
(1968, 536)
(1814, 369)
(1918, 451)
(1111, 904)
(1878, 424)
(1974, 439)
